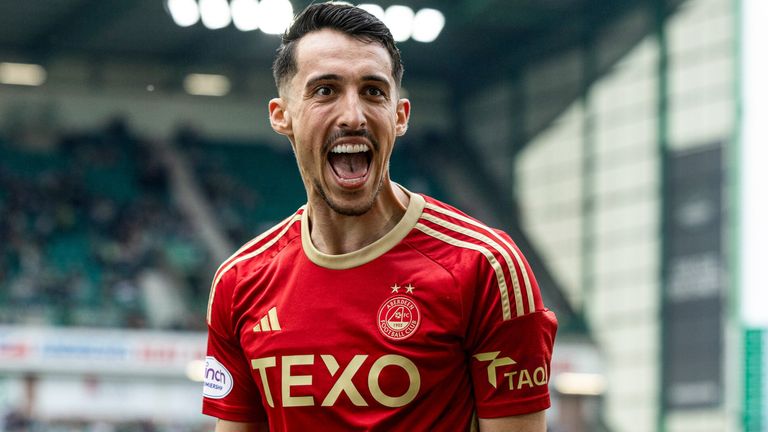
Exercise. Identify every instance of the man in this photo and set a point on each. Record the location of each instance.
(372, 307)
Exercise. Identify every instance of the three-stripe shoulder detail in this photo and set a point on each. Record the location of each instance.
(494, 247)
(261, 243)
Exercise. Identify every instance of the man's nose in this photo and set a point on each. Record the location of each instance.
(352, 115)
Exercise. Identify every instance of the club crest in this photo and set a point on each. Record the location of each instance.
(398, 318)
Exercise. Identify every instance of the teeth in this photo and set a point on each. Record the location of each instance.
(349, 148)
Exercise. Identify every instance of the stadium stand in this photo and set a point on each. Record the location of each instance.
(81, 223)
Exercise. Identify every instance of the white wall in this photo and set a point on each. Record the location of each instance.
(549, 186)
(626, 306)
(622, 304)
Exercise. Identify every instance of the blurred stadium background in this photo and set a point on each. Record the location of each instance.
(619, 142)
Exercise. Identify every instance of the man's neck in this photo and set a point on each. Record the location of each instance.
(335, 234)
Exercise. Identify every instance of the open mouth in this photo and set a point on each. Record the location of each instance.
(350, 162)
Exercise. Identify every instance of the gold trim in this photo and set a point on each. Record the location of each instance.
(506, 312)
(370, 252)
(523, 270)
(485, 239)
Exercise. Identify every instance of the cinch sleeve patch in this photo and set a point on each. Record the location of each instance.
(218, 381)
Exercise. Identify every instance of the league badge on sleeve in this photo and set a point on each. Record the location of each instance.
(218, 381)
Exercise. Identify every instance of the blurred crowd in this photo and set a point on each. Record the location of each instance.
(80, 222)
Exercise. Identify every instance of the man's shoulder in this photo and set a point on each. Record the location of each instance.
(455, 239)
(471, 248)
(250, 256)
(448, 220)
(264, 247)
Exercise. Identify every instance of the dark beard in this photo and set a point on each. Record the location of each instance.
(344, 211)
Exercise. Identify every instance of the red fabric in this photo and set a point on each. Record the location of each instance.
(330, 366)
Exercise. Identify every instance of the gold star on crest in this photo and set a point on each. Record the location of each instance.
(395, 288)
(409, 289)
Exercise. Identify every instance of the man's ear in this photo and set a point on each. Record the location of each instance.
(403, 113)
(279, 118)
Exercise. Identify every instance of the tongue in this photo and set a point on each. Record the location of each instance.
(349, 165)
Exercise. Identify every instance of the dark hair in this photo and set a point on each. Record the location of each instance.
(343, 17)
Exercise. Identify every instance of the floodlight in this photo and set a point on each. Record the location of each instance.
(427, 25)
(245, 14)
(215, 13)
(275, 16)
(183, 12)
(399, 19)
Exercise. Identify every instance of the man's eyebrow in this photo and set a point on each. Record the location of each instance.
(377, 78)
(324, 77)
(334, 77)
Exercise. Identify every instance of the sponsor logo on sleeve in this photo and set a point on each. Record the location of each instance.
(517, 378)
(218, 381)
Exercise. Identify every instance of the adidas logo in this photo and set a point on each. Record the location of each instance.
(268, 322)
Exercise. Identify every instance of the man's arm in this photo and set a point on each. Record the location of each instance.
(229, 426)
(535, 422)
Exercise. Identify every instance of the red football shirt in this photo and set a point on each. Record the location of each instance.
(438, 320)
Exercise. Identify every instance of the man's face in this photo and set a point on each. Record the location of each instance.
(342, 114)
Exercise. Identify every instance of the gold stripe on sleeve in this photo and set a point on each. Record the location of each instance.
(505, 308)
(520, 263)
(478, 236)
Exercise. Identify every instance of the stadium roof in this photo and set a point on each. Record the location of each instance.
(481, 38)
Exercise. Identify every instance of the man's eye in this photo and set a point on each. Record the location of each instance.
(323, 91)
(374, 91)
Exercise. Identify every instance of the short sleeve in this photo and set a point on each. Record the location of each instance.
(509, 340)
(229, 392)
